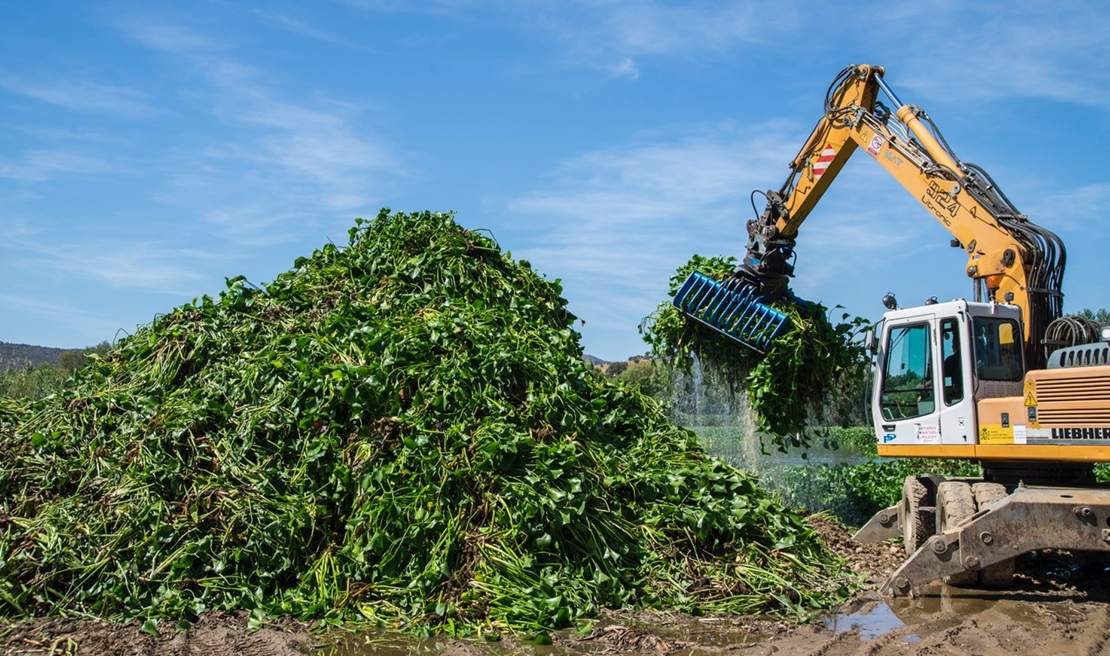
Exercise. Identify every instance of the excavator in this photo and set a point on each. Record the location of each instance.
(1003, 379)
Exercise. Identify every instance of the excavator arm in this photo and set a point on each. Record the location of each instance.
(1014, 260)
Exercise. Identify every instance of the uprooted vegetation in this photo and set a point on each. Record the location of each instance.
(400, 431)
(813, 367)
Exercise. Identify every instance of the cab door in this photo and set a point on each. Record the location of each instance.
(955, 401)
(906, 392)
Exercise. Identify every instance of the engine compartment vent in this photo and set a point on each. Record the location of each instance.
(1087, 355)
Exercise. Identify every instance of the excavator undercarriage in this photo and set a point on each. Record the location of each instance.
(969, 531)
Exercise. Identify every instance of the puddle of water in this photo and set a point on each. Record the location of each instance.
(873, 620)
(877, 617)
(967, 602)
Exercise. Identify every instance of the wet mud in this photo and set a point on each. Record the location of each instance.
(1058, 605)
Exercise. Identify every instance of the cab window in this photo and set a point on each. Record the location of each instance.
(953, 383)
(907, 389)
(997, 344)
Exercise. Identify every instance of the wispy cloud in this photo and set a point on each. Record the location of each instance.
(1082, 209)
(131, 268)
(301, 28)
(82, 96)
(167, 37)
(164, 270)
(40, 305)
(1018, 48)
(429, 7)
(611, 36)
(1022, 49)
(17, 229)
(138, 266)
(56, 314)
(658, 177)
(614, 224)
(70, 326)
(650, 27)
(317, 144)
(311, 150)
(42, 165)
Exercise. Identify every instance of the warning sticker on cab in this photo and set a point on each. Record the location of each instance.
(1030, 400)
(996, 435)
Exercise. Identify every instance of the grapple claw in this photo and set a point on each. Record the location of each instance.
(733, 308)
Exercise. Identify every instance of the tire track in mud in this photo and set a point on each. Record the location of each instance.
(1102, 617)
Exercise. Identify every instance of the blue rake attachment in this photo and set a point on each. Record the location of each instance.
(734, 310)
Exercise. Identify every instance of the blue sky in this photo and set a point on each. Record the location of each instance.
(148, 150)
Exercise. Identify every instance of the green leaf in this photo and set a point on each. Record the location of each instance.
(256, 620)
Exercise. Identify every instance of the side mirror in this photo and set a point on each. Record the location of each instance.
(869, 341)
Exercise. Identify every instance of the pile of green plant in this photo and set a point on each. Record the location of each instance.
(806, 370)
(403, 431)
(11, 412)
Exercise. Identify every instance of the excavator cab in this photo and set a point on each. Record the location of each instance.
(935, 362)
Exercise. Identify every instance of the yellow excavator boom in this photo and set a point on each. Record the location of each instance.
(1014, 260)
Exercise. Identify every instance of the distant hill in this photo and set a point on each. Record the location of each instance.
(595, 361)
(17, 356)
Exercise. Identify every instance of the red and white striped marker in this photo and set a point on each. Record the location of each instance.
(823, 160)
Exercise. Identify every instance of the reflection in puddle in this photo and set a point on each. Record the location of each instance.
(877, 617)
(873, 620)
(967, 602)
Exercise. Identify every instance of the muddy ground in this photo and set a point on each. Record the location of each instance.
(1054, 607)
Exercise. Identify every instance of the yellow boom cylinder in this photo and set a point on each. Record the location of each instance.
(908, 115)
